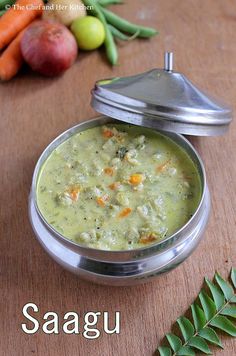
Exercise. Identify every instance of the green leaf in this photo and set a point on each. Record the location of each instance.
(229, 311)
(208, 305)
(186, 328)
(224, 286)
(164, 351)
(208, 312)
(222, 323)
(200, 344)
(185, 351)
(233, 299)
(174, 341)
(211, 336)
(216, 294)
(199, 318)
(233, 276)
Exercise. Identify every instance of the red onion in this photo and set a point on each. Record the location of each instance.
(48, 47)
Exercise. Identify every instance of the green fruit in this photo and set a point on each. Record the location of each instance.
(89, 32)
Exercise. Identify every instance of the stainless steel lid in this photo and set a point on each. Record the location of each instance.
(163, 99)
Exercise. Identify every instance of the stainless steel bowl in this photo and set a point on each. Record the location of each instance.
(120, 267)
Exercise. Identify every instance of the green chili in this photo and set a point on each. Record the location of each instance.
(110, 45)
(127, 26)
(109, 2)
(120, 35)
(2, 12)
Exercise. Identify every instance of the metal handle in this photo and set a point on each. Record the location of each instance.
(168, 62)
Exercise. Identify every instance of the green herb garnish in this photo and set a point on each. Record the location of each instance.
(121, 152)
(214, 308)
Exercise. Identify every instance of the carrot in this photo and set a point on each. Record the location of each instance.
(11, 60)
(163, 166)
(17, 18)
(102, 200)
(125, 212)
(109, 171)
(136, 179)
(187, 177)
(74, 194)
(147, 239)
(107, 133)
(114, 186)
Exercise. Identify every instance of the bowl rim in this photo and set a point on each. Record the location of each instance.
(98, 121)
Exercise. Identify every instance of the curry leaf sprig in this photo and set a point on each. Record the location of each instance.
(213, 309)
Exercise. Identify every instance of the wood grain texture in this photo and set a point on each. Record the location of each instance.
(33, 110)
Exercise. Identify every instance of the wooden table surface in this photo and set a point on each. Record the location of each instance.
(34, 110)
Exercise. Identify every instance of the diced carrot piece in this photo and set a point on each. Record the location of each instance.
(163, 166)
(125, 212)
(74, 193)
(102, 200)
(114, 186)
(147, 239)
(187, 177)
(107, 133)
(109, 171)
(136, 179)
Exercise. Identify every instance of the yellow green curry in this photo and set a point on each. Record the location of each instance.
(118, 187)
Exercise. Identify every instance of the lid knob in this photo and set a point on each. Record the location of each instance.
(168, 61)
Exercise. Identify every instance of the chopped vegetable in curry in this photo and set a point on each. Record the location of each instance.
(118, 187)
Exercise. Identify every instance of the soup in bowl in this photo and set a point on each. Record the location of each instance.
(118, 187)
